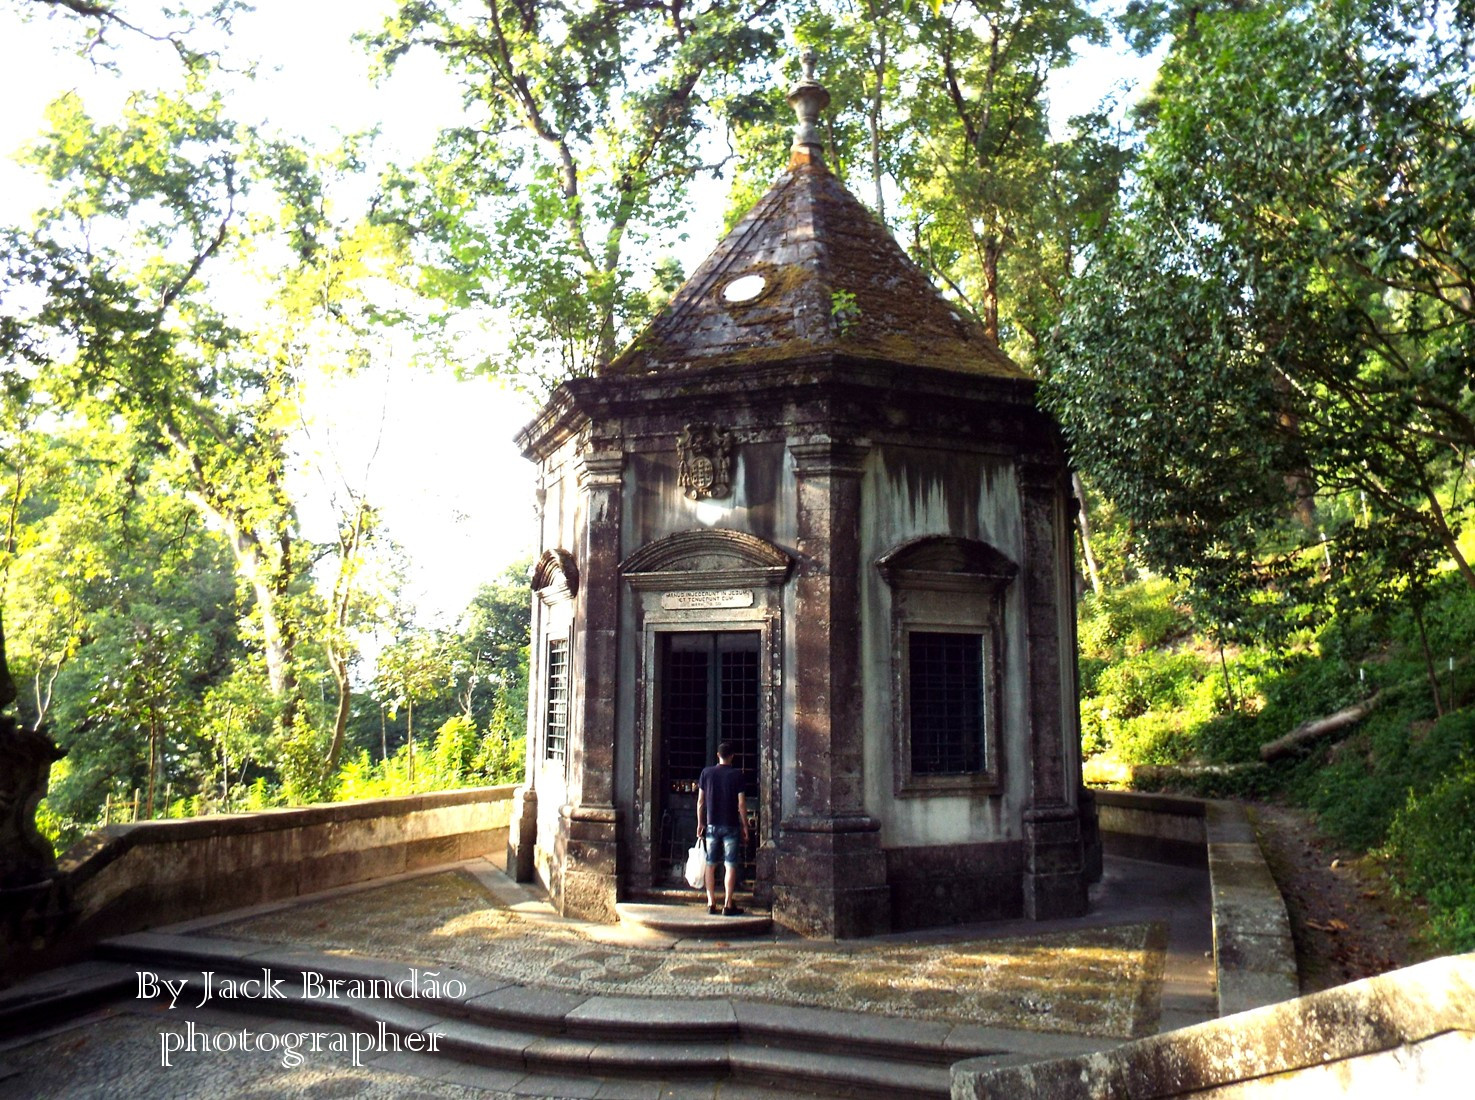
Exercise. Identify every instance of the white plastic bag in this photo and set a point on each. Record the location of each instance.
(696, 866)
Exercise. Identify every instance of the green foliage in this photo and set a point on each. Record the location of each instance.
(1401, 782)
(459, 756)
(1266, 365)
(590, 123)
(844, 310)
(501, 754)
(1132, 618)
(1144, 707)
(1432, 840)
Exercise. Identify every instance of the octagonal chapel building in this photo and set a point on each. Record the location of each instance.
(813, 510)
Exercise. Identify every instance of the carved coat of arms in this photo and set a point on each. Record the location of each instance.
(706, 461)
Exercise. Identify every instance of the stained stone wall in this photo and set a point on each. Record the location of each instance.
(1410, 1032)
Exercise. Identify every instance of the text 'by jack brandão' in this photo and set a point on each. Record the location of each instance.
(221, 990)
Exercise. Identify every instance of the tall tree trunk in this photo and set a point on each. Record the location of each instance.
(340, 716)
(153, 757)
(1083, 519)
(1428, 659)
(350, 543)
(873, 119)
(993, 249)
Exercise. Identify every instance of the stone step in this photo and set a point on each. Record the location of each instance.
(510, 1026)
(691, 919)
(63, 994)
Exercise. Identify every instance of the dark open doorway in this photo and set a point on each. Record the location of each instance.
(709, 692)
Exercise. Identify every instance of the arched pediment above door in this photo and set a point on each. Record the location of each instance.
(707, 559)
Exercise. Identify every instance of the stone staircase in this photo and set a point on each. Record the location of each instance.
(545, 1030)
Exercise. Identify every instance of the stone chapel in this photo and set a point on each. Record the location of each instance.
(812, 509)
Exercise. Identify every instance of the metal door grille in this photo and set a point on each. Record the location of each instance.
(684, 718)
(737, 710)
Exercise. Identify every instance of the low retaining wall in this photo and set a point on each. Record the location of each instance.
(1410, 1032)
(1156, 827)
(126, 877)
(1254, 956)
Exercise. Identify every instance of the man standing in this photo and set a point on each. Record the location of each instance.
(722, 820)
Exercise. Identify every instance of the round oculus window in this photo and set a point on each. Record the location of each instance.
(744, 288)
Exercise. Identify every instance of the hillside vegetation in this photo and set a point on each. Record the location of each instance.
(1164, 707)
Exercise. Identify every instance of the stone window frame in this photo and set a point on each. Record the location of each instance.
(555, 582)
(948, 585)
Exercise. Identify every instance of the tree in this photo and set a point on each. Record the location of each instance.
(492, 668)
(1279, 326)
(152, 213)
(989, 164)
(586, 124)
(124, 620)
(174, 28)
(418, 668)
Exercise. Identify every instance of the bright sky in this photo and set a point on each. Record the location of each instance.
(453, 490)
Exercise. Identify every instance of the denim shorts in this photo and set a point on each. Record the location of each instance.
(731, 851)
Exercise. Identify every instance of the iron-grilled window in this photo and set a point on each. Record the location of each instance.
(947, 703)
(555, 728)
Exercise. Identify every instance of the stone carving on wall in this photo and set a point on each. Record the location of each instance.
(706, 462)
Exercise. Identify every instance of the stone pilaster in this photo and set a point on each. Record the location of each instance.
(829, 869)
(522, 833)
(1054, 860)
(586, 865)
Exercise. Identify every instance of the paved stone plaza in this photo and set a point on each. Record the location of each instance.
(1136, 966)
(1097, 981)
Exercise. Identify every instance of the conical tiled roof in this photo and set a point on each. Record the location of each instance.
(834, 282)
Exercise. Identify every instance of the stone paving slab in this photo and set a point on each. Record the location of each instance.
(1093, 980)
(613, 1015)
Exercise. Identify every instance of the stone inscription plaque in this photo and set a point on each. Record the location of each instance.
(721, 597)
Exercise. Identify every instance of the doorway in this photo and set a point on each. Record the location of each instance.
(709, 692)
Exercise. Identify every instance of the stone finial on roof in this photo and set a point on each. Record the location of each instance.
(808, 99)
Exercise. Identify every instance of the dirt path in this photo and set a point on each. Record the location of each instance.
(1345, 920)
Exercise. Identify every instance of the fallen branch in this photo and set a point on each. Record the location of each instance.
(1317, 728)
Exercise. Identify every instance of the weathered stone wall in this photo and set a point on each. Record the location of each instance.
(1410, 1032)
(559, 522)
(1254, 956)
(909, 492)
(127, 877)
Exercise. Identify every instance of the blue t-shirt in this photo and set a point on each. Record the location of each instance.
(721, 784)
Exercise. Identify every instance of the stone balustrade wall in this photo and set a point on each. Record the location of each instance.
(126, 877)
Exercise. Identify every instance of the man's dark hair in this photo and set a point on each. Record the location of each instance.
(726, 750)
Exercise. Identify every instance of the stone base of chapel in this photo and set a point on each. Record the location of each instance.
(830, 880)
(586, 873)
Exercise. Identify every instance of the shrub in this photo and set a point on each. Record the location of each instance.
(1432, 842)
(1133, 618)
(1146, 705)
